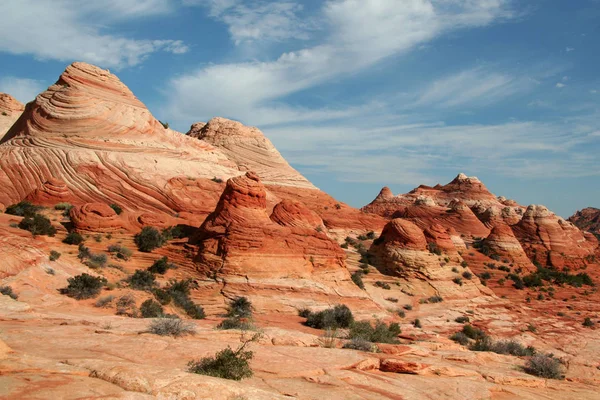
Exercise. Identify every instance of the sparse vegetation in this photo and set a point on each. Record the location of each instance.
(73, 238)
(54, 255)
(120, 251)
(149, 239)
(457, 280)
(339, 316)
(462, 319)
(434, 249)
(460, 338)
(407, 307)
(226, 364)
(380, 333)
(545, 366)
(467, 275)
(37, 225)
(417, 323)
(556, 277)
(171, 327)
(587, 322)
(23, 209)
(118, 210)
(464, 264)
(472, 332)
(64, 207)
(84, 286)
(217, 180)
(142, 280)
(104, 301)
(151, 309)
(511, 347)
(179, 291)
(382, 285)
(361, 345)
(431, 300)
(161, 266)
(239, 315)
(357, 279)
(8, 291)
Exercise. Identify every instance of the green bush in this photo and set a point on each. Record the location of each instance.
(142, 280)
(407, 307)
(23, 209)
(457, 280)
(236, 323)
(434, 249)
(462, 319)
(467, 275)
(357, 279)
(8, 291)
(54, 255)
(171, 327)
(149, 239)
(339, 316)
(121, 252)
(556, 277)
(464, 264)
(380, 333)
(304, 312)
(417, 323)
(163, 296)
(511, 347)
(472, 332)
(37, 225)
(151, 309)
(485, 275)
(83, 286)
(104, 301)
(460, 338)
(117, 208)
(73, 238)
(588, 322)
(179, 292)
(240, 307)
(361, 345)
(382, 285)
(161, 266)
(544, 366)
(226, 364)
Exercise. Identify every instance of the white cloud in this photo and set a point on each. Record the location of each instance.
(258, 20)
(593, 91)
(360, 34)
(569, 49)
(21, 89)
(560, 85)
(68, 30)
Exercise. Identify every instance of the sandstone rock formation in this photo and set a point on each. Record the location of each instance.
(550, 240)
(10, 110)
(587, 219)
(502, 242)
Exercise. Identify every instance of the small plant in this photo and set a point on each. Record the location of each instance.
(217, 180)
(339, 316)
(407, 307)
(434, 249)
(54, 255)
(457, 280)
(472, 332)
(401, 313)
(120, 252)
(304, 312)
(544, 366)
(434, 299)
(467, 275)
(338, 206)
(462, 319)
(50, 271)
(98, 238)
(164, 124)
(464, 264)
(370, 235)
(532, 328)
(460, 338)
(226, 364)
(587, 322)
(362, 237)
(392, 299)
(151, 309)
(240, 307)
(64, 207)
(149, 239)
(380, 333)
(118, 210)
(84, 286)
(357, 279)
(329, 339)
(73, 238)
(361, 345)
(104, 301)
(171, 327)
(417, 323)
(8, 291)
(383, 285)
(455, 270)
(22, 209)
(161, 266)
(179, 292)
(142, 280)
(37, 225)
(485, 275)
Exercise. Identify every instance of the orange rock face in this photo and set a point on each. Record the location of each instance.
(10, 110)
(502, 242)
(240, 238)
(96, 217)
(53, 191)
(587, 219)
(550, 240)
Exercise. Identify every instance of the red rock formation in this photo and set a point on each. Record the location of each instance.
(10, 110)
(53, 191)
(239, 238)
(551, 240)
(502, 242)
(295, 214)
(402, 251)
(587, 219)
(96, 217)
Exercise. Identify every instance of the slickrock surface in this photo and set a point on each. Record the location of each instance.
(550, 240)
(10, 110)
(502, 242)
(587, 219)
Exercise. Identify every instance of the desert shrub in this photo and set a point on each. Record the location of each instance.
(126, 301)
(121, 252)
(142, 280)
(104, 301)
(22, 209)
(380, 333)
(370, 235)
(8, 291)
(217, 180)
(464, 264)
(117, 208)
(339, 316)
(434, 299)
(164, 124)
(417, 323)
(236, 323)
(401, 313)
(544, 366)
(407, 307)
(163, 296)
(554, 276)
(177, 232)
(361, 345)
(83, 252)
(193, 310)
(467, 275)
(240, 307)
(460, 338)
(98, 238)
(73, 238)
(63, 206)
(179, 292)
(588, 322)
(149, 239)
(455, 270)
(392, 299)
(226, 364)
(462, 319)
(472, 332)
(171, 327)
(161, 266)
(83, 286)
(382, 285)
(37, 225)
(54, 255)
(357, 279)
(304, 312)
(97, 260)
(457, 280)
(504, 268)
(362, 237)
(485, 275)
(151, 309)
(511, 347)
(434, 249)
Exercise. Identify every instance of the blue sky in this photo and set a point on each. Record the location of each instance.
(356, 94)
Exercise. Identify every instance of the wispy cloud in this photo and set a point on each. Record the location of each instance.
(68, 30)
(21, 89)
